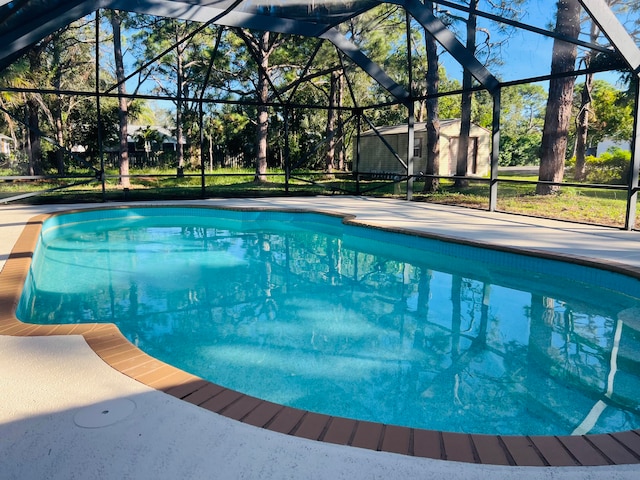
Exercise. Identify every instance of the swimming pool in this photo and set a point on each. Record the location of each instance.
(393, 335)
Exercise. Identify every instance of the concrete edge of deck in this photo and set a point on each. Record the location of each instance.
(619, 448)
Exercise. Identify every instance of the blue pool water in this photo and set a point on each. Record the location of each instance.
(305, 311)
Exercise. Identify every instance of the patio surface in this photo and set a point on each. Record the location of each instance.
(65, 413)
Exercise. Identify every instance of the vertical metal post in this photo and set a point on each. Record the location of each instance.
(203, 186)
(98, 109)
(632, 192)
(495, 150)
(356, 161)
(287, 159)
(411, 114)
(287, 151)
(411, 131)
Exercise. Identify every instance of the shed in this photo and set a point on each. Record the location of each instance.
(377, 158)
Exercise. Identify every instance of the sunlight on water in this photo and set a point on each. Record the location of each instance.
(301, 310)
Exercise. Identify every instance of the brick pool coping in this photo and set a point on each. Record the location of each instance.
(110, 345)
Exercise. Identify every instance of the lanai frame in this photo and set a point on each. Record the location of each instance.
(53, 15)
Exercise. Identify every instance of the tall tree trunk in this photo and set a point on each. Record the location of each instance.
(421, 112)
(340, 131)
(424, 296)
(180, 86)
(35, 152)
(210, 138)
(57, 110)
(33, 120)
(123, 108)
(262, 126)
(582, 122)
(465, 118)
(330, 132)
(11, 124)
(582, 129)
(59, 126)
(433, 112)
(558, 112)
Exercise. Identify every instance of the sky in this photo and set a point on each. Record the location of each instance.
(526, 54)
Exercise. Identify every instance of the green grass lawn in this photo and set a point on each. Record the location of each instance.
(582, 205)
(593, 206)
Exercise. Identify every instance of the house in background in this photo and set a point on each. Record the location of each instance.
(148, 146)
(6, 145)
(609, 143)
(376, 158)
(151, 138)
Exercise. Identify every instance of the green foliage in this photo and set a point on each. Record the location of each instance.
(230, 131)
(612, 167)
(84, 126)
(610, 114)
(520, 149)
(521, 128)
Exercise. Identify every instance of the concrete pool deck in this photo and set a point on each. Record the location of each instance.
(65, 413)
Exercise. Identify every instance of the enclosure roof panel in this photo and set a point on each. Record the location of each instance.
(25, 22)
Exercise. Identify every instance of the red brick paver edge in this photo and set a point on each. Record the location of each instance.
(108, 343)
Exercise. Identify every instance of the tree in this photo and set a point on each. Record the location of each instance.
(584, 114)
(335, 98)
(34, 145)
(582, 119)
(610, 115)
(61, 61)
(181, 50)
(484, 51)
(381, 33)
(432, 79)
(13, 102)
(559, 103)
(521, 127)
(467, 96)
(116, 18)
(57, 107)
(261, 45)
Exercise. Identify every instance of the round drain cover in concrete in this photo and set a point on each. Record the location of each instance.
(104, 413)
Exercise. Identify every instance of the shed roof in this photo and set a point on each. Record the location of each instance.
(418, 127)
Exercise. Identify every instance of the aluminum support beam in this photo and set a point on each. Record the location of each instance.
(611, 27)
(524, 26)
(229, 18)
(31, 31)
(451, 44)
(371, 68)
(266, 23)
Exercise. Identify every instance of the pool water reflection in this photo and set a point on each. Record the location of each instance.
(302, 310)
